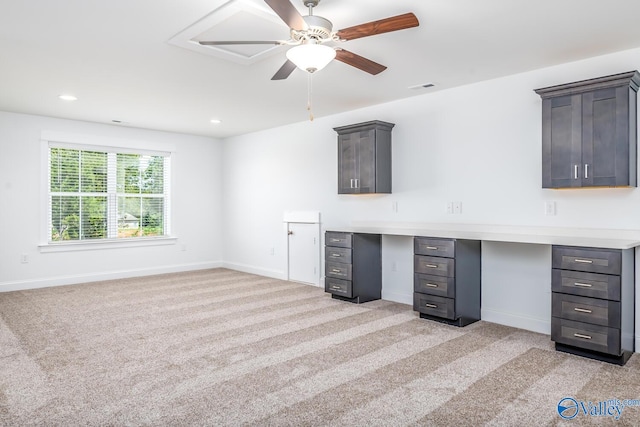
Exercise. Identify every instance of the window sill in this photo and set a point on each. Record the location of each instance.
(106, 244)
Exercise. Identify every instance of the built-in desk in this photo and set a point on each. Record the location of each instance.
(596, 238)
(516, 265)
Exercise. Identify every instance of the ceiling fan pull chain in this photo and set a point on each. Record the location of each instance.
(309, 91)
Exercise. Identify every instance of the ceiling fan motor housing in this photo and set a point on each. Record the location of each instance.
(319, 29)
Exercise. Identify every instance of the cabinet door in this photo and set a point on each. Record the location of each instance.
(347, 163)
(562, 142)
(367, 161)
(605, 137)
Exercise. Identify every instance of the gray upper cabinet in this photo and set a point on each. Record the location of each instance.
(589, 132)
(364, 158)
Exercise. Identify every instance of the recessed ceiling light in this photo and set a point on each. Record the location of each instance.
(67, 97)
(216, 121)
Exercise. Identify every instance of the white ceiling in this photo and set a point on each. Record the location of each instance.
(116, 57)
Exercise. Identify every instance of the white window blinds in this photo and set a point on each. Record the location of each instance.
(104, 193)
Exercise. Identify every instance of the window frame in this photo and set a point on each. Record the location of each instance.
(109, 145)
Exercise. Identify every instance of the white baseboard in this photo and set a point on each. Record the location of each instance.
(517, 321)
(276, 274)
(397, 297)
(111, 275)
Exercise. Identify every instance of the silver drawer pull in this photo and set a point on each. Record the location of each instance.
(584, 261)
(335, 270)
(431, 266)
(336, 255)
(582, 310)
(586, 337)
(336, 287)
(335, 240)
(431, 285)
(432, 248)
(431, 306)
(582, 285)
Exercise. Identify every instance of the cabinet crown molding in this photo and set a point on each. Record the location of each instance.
(631, 78)
(373, 124)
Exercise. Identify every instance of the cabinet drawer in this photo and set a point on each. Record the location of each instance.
(337, 254)
(585, 309)
(434, 306)
(585, 335)
(338, 287)
(433, 265)
(595, 285)
(434, 285)
(334, 238)
(434, 247)
(607, 261)
(337, 270)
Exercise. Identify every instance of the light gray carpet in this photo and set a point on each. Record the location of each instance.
(223, 348)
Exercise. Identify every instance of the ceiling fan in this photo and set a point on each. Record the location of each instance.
(309, 34)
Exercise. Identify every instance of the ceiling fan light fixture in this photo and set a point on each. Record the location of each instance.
(311, 57)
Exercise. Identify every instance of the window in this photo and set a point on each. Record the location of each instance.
(103, 193)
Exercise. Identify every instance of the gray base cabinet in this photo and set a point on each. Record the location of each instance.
(353, 266)
(447, 280)
(364, 158)
(592, 302)
(589, 132)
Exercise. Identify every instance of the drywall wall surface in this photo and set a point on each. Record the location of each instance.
(196, 211)
(479, 145)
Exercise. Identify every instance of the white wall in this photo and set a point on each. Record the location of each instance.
(479, 144)
(196, 184)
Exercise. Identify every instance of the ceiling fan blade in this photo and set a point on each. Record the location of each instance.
(284, 71)
(230, 42)
(395, 23)
(288, 13)
(360, 62)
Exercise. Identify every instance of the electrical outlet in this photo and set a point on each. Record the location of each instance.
(272, 251)
(549, 208)
(183, 247)
(449, 208)
(457, 207)
(24, 259)
(394, 207)
(394, 266)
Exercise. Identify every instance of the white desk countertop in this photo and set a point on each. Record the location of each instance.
(590, 237)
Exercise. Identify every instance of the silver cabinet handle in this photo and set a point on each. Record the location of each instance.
(582, 285)
(335, 240)
(575, 172)
(586, 170)
(357, 183)
(584, 261)
(351, 182)
(431, 285)
(336, 255)
(432, 248)
(336, 287)
(430, 305)
(581, 310)
(586, 337)
(431, 266)
(335, 270)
